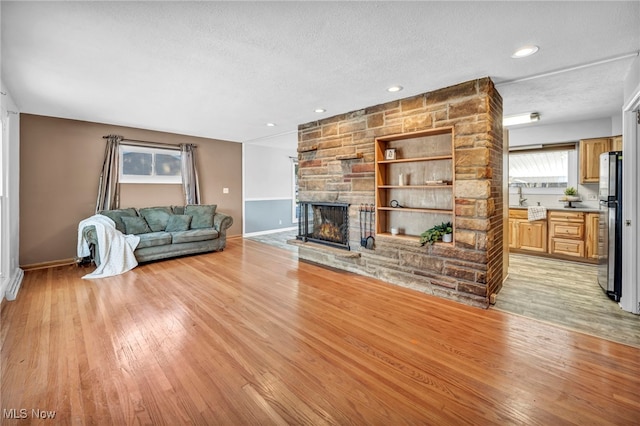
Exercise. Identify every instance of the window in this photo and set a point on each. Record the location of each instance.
(149, 165)
(543, 168)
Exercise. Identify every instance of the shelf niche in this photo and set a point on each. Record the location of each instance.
(419, 175)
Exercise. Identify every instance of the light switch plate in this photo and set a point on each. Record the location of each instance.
(225, 190)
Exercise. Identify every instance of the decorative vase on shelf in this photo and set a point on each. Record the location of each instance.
(447, 238)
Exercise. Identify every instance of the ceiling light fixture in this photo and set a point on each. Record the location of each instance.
(319, 110)
(394, 89)
(271, 124)
(512, 120)
(525, 51)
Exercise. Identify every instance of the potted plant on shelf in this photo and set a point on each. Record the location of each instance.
(447, 237)
(437, 233)
(571, 194)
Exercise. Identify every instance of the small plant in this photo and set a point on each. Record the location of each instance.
(435, 233)
(571, 191)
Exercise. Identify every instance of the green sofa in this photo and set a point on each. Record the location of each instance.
(167, 231)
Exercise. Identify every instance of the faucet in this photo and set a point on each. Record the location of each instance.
(520, 199)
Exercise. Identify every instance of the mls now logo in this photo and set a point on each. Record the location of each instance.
(23, 413)
(14, 413)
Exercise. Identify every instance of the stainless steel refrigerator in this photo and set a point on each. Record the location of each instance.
(610, 226)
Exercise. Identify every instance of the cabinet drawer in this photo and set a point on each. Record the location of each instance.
(567, 230)
(566, 247)
(566, 216)
(518, 214)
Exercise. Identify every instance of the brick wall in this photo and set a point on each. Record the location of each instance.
(336, 163)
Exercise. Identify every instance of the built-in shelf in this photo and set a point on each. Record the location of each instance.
(355, 156)
(308, 148)
(412, 160)
(416, 210)
(408, 238)
(407, 169)
(443, 186)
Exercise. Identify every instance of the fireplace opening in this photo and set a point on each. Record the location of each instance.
(325, 223)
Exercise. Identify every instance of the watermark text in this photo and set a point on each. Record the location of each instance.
(24, 413)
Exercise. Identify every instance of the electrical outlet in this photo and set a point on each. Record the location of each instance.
(280, 222)
(592, 197)
(225, 190)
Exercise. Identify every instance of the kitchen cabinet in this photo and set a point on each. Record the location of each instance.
(589, 152)
(592, 223)
(513, 233)
(526, 235)
(616, 143)
(414, 175)
(532, 236)
(567, 233)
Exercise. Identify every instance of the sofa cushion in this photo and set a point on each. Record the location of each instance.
(117, 214)
(135, 225)
(156, 217)
(177, 209)
(194, 235)
(202, 215)
(153, 239)
(178, 222)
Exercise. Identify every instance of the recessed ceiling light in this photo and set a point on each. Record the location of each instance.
(394, 89)
(271, 124)
(319, 110)
(525, 51)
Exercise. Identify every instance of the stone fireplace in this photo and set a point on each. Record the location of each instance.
(336, 159)
(324, 223)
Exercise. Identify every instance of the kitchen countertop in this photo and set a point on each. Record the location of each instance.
(574, 209)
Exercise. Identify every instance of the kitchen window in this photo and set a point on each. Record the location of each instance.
(149, 165)
(551, 168)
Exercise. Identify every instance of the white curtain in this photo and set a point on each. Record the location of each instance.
(108, 186)
(190, 185)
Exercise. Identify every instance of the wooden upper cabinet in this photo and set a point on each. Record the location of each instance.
(590, 150)
(616, 143)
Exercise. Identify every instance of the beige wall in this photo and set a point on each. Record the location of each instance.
(60, 162)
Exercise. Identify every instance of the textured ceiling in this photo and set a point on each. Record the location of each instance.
(224, 69)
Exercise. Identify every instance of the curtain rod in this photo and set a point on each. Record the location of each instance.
(150, 143)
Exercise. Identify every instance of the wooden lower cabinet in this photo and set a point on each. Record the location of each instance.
(566, 247)
(592, 222)
(513, 233)
(525, 235)
(532, 236)
(564, 234)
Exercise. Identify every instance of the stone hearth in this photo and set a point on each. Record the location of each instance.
(336, 165)
(324, 223)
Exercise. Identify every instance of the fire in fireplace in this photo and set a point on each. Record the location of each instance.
(325, 223)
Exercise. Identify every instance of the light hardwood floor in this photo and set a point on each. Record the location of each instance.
(252, 336)
(566, 294)
(559, 292)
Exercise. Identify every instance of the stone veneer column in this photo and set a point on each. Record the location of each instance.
(336, 164)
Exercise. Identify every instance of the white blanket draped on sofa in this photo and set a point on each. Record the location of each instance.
(115, 248)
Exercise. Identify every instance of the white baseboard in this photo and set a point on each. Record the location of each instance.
(14, 285)
(270, 231)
